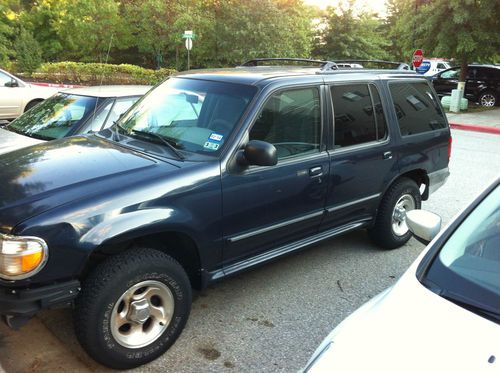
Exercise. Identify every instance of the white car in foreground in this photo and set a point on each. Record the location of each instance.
(17, 96)
(443, 315)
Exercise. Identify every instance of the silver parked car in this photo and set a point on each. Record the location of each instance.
(70, 112)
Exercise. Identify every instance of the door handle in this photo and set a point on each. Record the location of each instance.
(316, 171)
(387, 155)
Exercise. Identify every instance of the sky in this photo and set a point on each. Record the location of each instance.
(374, 5)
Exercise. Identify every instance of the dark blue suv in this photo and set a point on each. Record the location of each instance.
(211, 173)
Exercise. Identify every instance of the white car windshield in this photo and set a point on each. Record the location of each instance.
(192, 115)
(468, 265)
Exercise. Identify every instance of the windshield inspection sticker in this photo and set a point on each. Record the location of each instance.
(215, 137)
(211, 145)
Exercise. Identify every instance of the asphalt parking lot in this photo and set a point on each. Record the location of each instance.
(272, 318)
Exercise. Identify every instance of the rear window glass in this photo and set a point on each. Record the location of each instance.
(359, 117)
(416, 108)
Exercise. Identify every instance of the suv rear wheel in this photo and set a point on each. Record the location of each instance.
(390, 230)
(132, 308)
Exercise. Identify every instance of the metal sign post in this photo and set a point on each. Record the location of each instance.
(189, 36)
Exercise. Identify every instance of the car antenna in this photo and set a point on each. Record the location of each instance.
(102, 74)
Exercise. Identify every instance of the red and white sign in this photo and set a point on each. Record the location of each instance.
(418, 58)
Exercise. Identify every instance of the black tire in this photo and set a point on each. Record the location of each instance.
(389, 232)
(97, 306)
(488, 99)
(31, 104)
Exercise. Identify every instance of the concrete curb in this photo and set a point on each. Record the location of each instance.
(475, 127)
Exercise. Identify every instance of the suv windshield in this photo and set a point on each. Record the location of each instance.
(55, 117)
(192, 115)
(467, 269)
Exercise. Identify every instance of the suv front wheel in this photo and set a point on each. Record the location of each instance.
(132, 308)
(390, 230)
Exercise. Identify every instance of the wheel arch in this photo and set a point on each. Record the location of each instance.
(34, 101)
(419, 176)
(178, 245)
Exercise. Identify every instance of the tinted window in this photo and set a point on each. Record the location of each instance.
(291, 121)
(416, 108)
(441, 66)
(359, 116)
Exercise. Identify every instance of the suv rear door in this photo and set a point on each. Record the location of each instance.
(269, 207)
(361, 158)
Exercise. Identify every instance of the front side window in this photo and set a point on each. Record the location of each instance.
(196, 116)
(291, 121)
(55, 117)
(359, 116)
(4, 79)
(416, 108)
(467, 269)
(451, 74)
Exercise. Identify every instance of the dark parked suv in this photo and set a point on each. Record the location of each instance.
(209, 174)
(482, 83)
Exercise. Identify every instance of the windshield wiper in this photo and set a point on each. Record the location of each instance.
(473, 306)
(164, 140)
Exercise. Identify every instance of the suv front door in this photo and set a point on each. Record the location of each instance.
(269, 207)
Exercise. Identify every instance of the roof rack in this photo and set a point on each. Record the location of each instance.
(325, 65)
(398, 65)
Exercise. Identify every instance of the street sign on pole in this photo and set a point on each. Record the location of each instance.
(418, 58)
(189, 36)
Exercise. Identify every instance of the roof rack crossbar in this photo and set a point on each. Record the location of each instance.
(325, 65)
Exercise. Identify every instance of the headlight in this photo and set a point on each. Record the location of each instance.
(21, 257)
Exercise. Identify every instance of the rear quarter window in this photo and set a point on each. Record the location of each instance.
(416, 107)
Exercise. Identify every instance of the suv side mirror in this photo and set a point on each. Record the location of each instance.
(259, 153)
(12, 83)
(423, 224)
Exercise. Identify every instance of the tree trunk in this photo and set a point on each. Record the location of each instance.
(463, 69)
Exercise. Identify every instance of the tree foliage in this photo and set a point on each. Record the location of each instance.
(29, 54)
(228, 32)
(351, 35)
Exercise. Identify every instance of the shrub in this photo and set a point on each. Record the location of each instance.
(97, 73)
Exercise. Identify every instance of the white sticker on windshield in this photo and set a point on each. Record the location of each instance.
(211, 145)
(216, 137)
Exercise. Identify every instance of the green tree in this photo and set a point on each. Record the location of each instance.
(348, 35)
(28, 51)
(467, 30)
(88, 28)
(6, 33)
(43, 20)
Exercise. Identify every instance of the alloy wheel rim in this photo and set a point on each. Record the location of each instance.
(142, 314)
(405, 203)
(488, 100)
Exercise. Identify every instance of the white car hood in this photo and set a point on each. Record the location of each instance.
(411, 329)
(10, 141)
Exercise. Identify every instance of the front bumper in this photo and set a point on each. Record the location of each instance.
(19, 305)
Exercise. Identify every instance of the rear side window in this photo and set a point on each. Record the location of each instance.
(359, 116)
(416, 108)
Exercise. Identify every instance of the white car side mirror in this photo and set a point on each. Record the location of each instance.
(424, 225)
